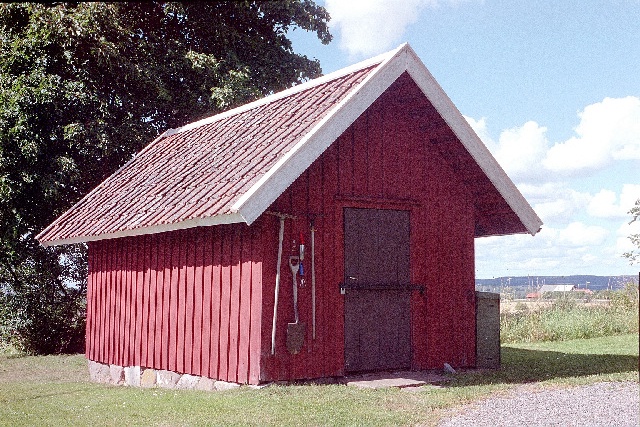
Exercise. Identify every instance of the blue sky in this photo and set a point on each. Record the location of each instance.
(551, 87)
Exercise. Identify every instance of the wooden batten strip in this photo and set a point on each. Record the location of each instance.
(165, 285)
(145, 304)
(104, 289)
(127, 287)
(156, 304)
(244, 307)
(256, 307)
(91, 307)
(234, 305)
(225, 306)
(174, 295)
(198, 290)
(190, 300)
(207, 303)
(183, 277)
(139, 295)
(216, 312)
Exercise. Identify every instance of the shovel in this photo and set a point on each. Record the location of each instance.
(295, 331)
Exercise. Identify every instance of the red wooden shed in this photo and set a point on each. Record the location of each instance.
(371, 167)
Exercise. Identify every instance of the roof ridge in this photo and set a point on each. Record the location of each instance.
(376, 60)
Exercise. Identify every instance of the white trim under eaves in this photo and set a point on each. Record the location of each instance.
(264, 192)
(472, 142)
(287, 92)
(190, 223)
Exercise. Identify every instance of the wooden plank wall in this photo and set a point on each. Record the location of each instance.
(180, 301)
(384, 160)
(201, 301)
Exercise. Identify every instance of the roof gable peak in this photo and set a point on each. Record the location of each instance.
(377, 60)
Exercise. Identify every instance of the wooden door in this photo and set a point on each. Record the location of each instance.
(377, 309)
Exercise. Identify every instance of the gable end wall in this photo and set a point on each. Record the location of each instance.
(384, 160)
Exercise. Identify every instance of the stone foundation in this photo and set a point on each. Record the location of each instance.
(136, 376)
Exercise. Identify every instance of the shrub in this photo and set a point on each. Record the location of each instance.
(627, 298)
(5, 329)
(43, 325)
(44, 313)
(521, 306)
(567, 319)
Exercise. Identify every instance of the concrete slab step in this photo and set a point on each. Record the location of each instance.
(400, 379)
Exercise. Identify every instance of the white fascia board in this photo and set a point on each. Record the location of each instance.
(288, 92)
(472, 142)
(190, 223)
(273, 183)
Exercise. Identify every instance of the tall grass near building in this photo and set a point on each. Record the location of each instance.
(566, 318)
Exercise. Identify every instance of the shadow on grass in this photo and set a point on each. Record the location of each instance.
(526, 366)
(45, 393)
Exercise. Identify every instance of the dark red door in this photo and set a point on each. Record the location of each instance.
(377, 309)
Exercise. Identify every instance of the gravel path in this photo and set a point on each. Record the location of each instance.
(602, 404)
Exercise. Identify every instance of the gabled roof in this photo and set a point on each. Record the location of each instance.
(230, 167)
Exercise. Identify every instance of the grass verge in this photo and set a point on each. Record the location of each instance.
(55, 390)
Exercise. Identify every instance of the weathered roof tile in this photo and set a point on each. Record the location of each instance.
(200, 171)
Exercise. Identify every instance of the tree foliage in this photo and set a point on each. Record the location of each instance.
(83, 86)
(634, 255)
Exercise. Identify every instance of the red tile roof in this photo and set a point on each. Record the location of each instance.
(200, 170)
(230, 167)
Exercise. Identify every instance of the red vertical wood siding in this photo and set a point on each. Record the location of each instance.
(256, 304)
(384, 160)
(155, 357)
(165, 285)
(89, 325)
(207, 271)
(214, 361)
(201, 301)
(160, 302)
(196, 330)
(225, 306)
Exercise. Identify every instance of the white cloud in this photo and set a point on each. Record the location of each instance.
(573, 240)
(605, 204)
(608, 131)
(481, 129)
(553, 251)
(562, 209)
(578, 234)
(630, 193)
(369, 27)
(623, 243)
(555, 202)
(521, 150)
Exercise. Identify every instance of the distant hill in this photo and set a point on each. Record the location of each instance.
(524, 284)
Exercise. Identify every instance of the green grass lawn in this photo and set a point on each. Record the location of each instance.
(55, 390)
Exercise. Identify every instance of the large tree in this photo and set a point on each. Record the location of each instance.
(83, 86)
